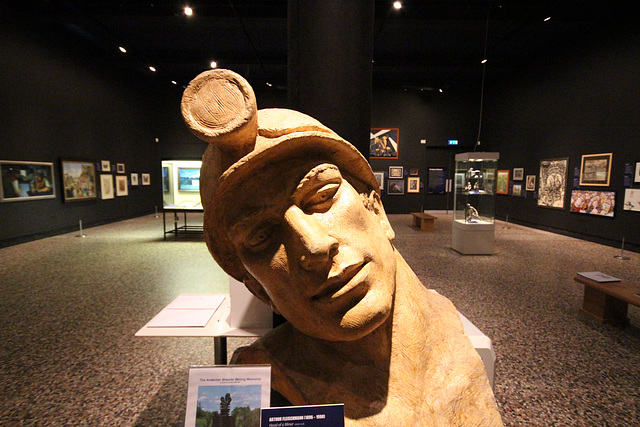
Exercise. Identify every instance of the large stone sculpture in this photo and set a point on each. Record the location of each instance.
(294, 211)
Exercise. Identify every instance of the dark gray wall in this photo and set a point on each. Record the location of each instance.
(61, 101)
(586, 101)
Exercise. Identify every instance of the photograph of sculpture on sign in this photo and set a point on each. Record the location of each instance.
(552, 183)
(294, 212)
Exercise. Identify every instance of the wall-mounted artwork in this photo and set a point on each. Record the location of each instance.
(105, 166)
(593, 202)
(636, 177)
(395, 187)
(383, 143)
(396, 172)
(595, 169)
(188, 179)
(413, 171)
(120, 167)
(502, 185)
(78, 181)
(531, 183)
(552, 183)
(518, 174)
(26, 181)
(106, 186)
(380, 178)
(121, 185)
(146, 179)
(632, 199)
(413, 184)
(134, 179)
(516, 190)
(166, 180)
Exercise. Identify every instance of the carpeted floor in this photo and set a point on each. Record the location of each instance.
(70, 307)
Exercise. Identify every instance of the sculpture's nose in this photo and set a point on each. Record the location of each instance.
(316, 247)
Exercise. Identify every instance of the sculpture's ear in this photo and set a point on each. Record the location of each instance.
(375, 204)
(256, 289)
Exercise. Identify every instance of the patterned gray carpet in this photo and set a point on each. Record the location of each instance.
(70, 307)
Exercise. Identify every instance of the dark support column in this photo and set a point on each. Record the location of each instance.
(330, 64)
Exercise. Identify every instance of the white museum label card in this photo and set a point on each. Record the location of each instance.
(191, 301)
(598, 276)
(227, 395)
(181, 318)
(304, 416)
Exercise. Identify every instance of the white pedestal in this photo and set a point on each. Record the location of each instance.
(473, 238)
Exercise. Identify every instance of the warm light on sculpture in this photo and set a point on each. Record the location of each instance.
(294, 212)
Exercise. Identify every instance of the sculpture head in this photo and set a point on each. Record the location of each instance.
(292, 210)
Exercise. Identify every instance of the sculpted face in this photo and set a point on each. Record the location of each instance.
(320, 250)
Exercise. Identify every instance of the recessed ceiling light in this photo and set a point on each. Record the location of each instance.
(188, 11)
(122, 49)
(213, 64)
(152, 69)
(397, 5)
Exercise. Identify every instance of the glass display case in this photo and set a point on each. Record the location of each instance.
(474, 203)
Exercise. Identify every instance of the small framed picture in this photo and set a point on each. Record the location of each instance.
(106, 186)
(517, 190)
(395, 187)
(518, 174)
(121, 185)
(413, 171)
(380, 178)
(105, 166)
(636, 177)
(146, 179)
(596, 169)
(134, 179)
(502, 186)
(120, 167)
(531, 183)
(413, 184)
(396, 171)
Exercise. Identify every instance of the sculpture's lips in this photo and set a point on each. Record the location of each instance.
(341, 283)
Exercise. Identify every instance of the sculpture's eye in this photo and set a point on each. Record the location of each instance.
(259, 239)
(321, 199)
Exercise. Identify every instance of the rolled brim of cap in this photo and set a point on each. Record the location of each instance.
(277, 152)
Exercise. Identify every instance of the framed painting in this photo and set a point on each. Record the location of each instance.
(596, 169)
(396, 172)
(413, 184)
(105, 166)
(26, 181)
(383, 143)
(531, 183)
(413, 171)
(120, 167)
(188, 179)
(591, 202)
(166, 186)
(518, 174)
(146, 179)
(78, 180)
(380, 178)
(502, 186)
(134, 179)
(552, 183)
(121, 185)
(636, 177)
(395, 187)
(106, 186)
(632, 199)
(516, 190)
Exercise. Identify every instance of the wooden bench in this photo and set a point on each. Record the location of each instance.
(423, 221)
(608, 302)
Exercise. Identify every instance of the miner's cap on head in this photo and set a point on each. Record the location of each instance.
(219, 106)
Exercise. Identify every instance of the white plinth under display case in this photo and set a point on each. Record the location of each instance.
(474, 203)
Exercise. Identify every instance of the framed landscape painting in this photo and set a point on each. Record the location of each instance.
(78, 180)
(552, 183)
(26, 181)
(383, 143)
(596, 169)
(502, 186)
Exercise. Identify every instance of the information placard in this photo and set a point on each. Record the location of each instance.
(303, 416)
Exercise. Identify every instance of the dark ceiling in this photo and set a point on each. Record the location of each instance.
(427, 44)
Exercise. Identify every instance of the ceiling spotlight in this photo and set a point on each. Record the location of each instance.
(547, 18)
(188, 11)
(397, 5)
(122, 49)
(213, 64)
(269, 84)
(484, 61)
(440, 90)
(174, 82)
(152, 68)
